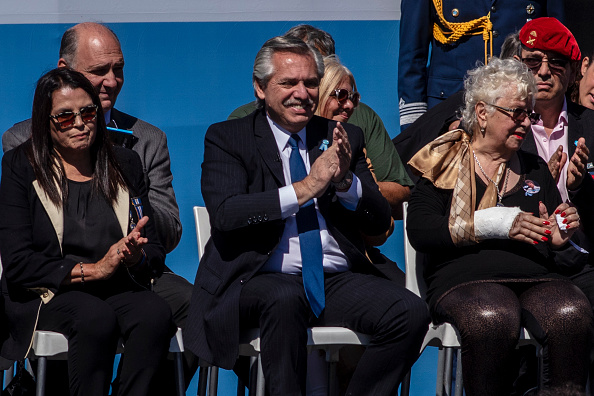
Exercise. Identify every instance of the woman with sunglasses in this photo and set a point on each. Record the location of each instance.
(338, 91)
(77, 245)
(480, 213)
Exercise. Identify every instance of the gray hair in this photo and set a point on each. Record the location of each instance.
(489, 83)
(263, 65)
(511, 46)
(318, 38)
(69, 43)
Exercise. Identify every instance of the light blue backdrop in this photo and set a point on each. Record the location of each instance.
(183, 77)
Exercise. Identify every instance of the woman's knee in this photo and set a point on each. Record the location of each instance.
(99, 322)
(77, 313)
(489, 315)
(559, 307)
(154, 316)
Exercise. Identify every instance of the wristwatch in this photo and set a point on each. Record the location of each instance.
(345, 183)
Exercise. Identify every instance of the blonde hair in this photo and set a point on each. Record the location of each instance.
(334, 73)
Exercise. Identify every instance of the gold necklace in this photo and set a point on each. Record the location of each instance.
(499, 195)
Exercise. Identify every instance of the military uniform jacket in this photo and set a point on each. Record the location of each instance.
(421, 86)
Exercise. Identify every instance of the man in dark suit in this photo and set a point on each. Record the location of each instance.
(288, 195)
(95, 51)
(565, 128)
(564, 135)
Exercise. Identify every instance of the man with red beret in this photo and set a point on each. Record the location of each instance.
(552, 53)
(550, 50)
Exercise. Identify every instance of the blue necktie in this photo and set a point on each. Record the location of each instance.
(309, 237)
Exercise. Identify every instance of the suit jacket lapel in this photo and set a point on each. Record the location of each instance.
(120, 119)
(55, 213)
(315, 136)
(267, 147)
(574, 128)
(122, 209)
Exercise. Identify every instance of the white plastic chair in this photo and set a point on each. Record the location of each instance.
(444, 336)
(329, 339)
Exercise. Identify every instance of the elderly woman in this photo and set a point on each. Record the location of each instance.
(77, 247)
(481, 214)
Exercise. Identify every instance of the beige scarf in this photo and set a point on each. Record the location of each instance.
(448, 163)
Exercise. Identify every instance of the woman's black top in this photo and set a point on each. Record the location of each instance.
(90, 224)
(495, 260)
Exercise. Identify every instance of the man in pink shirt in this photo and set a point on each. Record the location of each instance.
(563, 134)
(552, 53)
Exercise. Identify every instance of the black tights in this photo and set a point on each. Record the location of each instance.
(489, 316)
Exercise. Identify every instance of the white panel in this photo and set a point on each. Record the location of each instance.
(74, 11)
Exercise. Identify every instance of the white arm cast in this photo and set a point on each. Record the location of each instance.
(494, 223)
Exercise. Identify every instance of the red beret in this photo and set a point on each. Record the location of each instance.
(548, 34)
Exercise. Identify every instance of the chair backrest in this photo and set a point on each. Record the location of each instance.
(202, 228)
(413, 262)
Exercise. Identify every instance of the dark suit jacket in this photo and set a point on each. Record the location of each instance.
(580, 124)
(241, 175)
(31, 241)
(151, 144)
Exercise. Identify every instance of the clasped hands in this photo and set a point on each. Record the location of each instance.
(576, 170)
(127, 251)
(544, 228)
(330, 167)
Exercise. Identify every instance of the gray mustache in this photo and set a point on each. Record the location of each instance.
(291, 102)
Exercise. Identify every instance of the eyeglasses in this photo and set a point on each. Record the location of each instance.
(67, 119)
(556, 64)
(343, 94)
(518, 114)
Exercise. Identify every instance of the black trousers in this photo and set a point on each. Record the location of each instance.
(176, 291)
(93, 325)
(396, 319)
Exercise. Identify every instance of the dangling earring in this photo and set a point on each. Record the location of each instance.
(482, 131)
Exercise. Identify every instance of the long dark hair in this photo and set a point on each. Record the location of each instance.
(44, 158)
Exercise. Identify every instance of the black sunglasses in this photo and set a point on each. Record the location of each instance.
(558, 65)
(67, 119)
(343, 94)
(518, 114)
